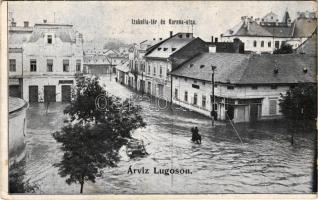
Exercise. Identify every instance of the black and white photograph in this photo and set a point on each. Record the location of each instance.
(160, 97)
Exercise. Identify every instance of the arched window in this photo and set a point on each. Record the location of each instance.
(255, 43)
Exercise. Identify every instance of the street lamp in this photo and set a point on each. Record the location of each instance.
(213, 97)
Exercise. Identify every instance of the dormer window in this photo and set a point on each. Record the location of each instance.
(180, 35)
(49, 39)
(191, 65)
(159, 49)
(173, 49)
(165, 49)
(201, 66)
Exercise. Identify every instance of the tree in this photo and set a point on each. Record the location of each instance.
(284, 49)
(93, 137)
(300, 102)
(17, 184)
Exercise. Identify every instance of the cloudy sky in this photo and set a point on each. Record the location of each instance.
(114, 19)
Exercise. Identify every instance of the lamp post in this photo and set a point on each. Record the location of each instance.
(213, 97)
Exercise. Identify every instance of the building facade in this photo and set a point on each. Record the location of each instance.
(246, 88)
(17, 35)
(165, 56)
(52, 57)
(269, 33)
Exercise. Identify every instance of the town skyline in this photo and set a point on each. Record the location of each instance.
(105, 22)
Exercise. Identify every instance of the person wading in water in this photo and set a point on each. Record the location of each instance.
(196, 137)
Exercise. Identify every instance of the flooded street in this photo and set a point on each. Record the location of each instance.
(266, 162)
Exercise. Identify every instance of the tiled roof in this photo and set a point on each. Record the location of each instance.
(65, 34)
(280, 31)
(304, 27)
(309, 47)
(169, 46)
(123, 66)
(96, 59)
(249, 68)
(301, 27)
(16, 104)
(254, 29)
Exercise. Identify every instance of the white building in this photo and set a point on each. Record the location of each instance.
(17, 35)
(51, 58)
(247, 87)
(267, 34)
(163, 57)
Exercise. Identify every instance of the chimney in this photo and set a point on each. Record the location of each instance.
(212, 49)
(26, 24)
(216, 40)
(211, 38)
(44, 21)
(171, 33)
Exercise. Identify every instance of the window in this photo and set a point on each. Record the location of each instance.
(186, 96)
(12, 64)
(176, 93)
(33, 65)
(203, 82)
(154, 70)
(262, 43)
(277, 44)
(78, 65)
(203, 101)
(66, 65)
(272, 106)
(269, 44)
(230, 87)
(148, 70)
(160, 71)
(255, 43)
(195, 99)
(187, 35)
(49, 65)
(173, 49)
(254, 87)
(165, 49)
(273, 87)
(49, 39)
(180, 35)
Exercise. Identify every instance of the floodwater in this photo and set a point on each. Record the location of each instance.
(265, 162)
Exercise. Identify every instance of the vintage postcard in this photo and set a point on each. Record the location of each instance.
(159, 98)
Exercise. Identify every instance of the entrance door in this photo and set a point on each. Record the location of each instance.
(14, 91)
(49, 93)
(66, 93)
(230, 112)
(149, 88)
(33, 93)
(253, 112)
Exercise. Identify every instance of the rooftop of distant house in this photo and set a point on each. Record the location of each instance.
(247, 69)
(271, 26)
(167, 47)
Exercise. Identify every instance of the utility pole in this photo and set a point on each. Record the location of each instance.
(213, 97)
(142, 81)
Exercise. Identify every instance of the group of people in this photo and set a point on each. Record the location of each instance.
(196, 137)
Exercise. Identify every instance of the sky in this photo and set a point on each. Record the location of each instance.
(98, 20)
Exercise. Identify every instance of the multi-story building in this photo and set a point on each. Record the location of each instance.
(16, 36)
(268, 34)
(165, 56)
(52, 57)
(247, 87)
